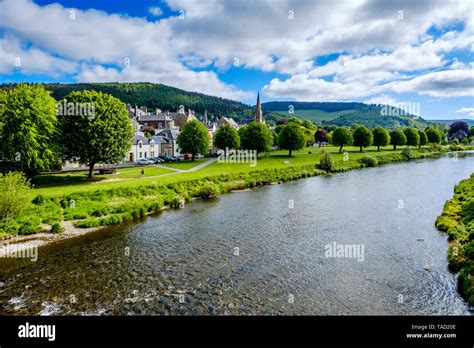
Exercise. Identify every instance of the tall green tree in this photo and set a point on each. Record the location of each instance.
(413, 138)
(291, 138)
(397, 138)
(194, 139)
(256, 136)
(29, 132)
(99, 130)
(434, 135)
(321, 136)
(362, 137)
(423, 138)
(381, 137)
(226, 137)
(342, 137)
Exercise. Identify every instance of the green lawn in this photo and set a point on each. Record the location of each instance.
(78, 179)
(185, 164)
(131, 177)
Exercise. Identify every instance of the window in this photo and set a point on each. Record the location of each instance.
(140, 155)
(140, 144)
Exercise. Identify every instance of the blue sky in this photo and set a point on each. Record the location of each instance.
(397, 52)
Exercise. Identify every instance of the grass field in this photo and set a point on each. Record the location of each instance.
(315, 115)
(186, 164)
(60, 184)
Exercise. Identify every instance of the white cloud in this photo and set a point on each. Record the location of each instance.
(382, 99)
(448, 83)
(380, 52)
(30, 60)
(467, 111)
(155, 11)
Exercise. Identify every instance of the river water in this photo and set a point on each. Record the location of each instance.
(262, 252)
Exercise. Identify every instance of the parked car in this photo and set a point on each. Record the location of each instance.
(176, 158)
(144, 162)
(187, 156)
(199, 156)
(171, 158)
(164, 158)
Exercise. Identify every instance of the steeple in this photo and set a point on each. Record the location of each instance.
(258, 111)
(205, 117)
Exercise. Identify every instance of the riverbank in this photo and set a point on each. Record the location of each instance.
(142, 267)
(457, 220)
(49, 219)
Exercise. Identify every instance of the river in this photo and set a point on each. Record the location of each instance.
(262, 252)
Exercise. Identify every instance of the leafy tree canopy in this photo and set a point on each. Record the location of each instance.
(291, 137)
(100, 133)
(194, 139)
(29, 131)
(256, 136)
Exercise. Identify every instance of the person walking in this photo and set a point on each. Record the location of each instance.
(143, 171)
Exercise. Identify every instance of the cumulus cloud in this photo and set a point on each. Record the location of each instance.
(155, 11)
(384, 46)
(448, 83)
(467, 111)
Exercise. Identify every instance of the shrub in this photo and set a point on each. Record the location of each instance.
(326, 162)
(466, 282)
(57, 228)
(29, 228)
(455, 147)
(209, 189)
(14, 190)
(456, 257)
(38, 200)
(369, 161)
(408, 153)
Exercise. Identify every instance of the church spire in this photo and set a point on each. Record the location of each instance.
(258, 111)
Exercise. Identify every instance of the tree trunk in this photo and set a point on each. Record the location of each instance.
(289, 154)
(361, 149)
(192, 157)
(394, 147)
(378, 148)
(91, 170)
(340, 149)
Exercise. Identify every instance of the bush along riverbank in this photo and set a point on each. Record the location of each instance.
(457, 220)
(113, 206)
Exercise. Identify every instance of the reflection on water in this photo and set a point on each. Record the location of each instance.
(261, 252)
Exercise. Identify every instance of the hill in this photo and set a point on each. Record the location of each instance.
(344, 114)
(470, 122)
(160, 96)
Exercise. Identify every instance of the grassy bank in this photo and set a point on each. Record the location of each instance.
(457, 220)
(101, 205)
